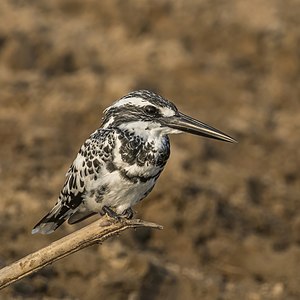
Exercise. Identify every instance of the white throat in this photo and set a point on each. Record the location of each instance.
(148, 130)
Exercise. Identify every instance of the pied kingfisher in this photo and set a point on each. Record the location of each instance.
(119, 163)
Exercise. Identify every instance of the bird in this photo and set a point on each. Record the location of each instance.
(120, 162)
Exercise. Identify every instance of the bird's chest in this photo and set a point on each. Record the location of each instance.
(141, 154)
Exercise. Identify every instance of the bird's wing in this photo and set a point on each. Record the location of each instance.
(85, 169)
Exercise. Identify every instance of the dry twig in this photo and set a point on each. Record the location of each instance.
(97, 232)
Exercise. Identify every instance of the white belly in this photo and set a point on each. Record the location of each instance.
(121, 193)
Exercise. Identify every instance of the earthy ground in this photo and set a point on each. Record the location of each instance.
(230, 212)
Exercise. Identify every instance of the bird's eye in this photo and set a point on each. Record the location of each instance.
(151, 110)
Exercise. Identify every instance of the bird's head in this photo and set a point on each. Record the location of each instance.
(143, 111)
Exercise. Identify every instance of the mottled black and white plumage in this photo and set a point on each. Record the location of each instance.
(119, 163)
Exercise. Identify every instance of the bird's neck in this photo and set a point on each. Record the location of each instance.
(142, 147)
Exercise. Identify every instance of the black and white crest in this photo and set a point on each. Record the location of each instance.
(150, 97)
(138, 106)
(118, 165)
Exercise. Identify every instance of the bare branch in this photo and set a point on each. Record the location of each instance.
(97, 232)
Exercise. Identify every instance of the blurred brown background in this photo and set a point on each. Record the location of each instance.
(230, 212)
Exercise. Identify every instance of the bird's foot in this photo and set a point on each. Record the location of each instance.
(127, 213)
(111, 213)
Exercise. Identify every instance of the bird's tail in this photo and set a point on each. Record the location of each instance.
(59, 214)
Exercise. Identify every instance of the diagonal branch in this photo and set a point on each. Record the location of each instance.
(97, 232)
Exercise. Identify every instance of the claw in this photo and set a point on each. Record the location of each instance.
(111, 213)
(128, 213)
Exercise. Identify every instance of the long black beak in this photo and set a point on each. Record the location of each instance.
(185, 123)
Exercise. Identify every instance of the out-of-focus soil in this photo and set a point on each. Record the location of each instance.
(230, 212)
